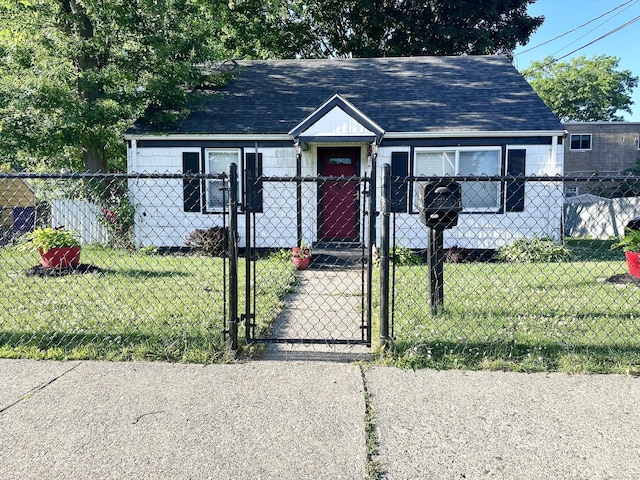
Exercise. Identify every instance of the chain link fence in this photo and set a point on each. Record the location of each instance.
(535, 287)
(320, 225)
(145, 287)
(173, 267)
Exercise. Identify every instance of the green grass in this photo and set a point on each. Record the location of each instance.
(557, 316)
(155, 307)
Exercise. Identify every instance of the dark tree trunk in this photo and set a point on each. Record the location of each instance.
(93, 161)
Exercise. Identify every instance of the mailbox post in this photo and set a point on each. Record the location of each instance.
(439, 203)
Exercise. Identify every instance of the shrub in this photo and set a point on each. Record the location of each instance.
(534, 250)
(403, 256)
(117, 214)
(457, 254)
(211, 241)
(44, 239)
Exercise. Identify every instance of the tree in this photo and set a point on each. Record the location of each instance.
(585, 89)
(75, 73)
(375, 28)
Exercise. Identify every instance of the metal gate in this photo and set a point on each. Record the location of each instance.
(327, 302)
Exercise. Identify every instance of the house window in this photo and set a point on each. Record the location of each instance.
(570, 191)
(581, 142)
(217, 162)
(477, 196)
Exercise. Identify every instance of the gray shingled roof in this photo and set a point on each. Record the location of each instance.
(412, 94)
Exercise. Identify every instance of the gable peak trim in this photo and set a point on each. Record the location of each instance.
(337, 100)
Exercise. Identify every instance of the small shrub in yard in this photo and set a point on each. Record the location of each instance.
(211, 241)
(534, 250)
(403, 256)
(457, 254)
(281, 255)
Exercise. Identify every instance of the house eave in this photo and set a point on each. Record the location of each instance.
(479, 134)
(387, 135)
(212, 136)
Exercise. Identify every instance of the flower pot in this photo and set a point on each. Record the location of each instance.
(633, 263)
(301, 263)
(60, 257)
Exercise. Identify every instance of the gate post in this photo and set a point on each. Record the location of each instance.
(385, 204)
(233, 256)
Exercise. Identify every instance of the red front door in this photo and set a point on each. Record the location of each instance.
(338, 216)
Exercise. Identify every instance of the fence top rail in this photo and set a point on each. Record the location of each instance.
(519, 178)
(312, 179)
(319, 178)
(111, 176)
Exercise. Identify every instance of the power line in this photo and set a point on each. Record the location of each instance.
(592, 30)
(634, 20)
(611, 32)
(576, 28)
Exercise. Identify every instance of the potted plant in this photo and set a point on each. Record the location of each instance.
(630, 243)
(58, 247)
(301, 256)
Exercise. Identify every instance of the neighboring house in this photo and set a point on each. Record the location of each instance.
(599, 149)
(17, 208)
(466, 115)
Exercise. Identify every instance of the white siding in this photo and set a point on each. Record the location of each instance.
(161, 221)
(337, 122)
(542, 215)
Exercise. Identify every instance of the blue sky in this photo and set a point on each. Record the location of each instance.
(564, 15)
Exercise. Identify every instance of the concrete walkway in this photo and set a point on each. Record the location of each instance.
(325, 304)
(306, 420)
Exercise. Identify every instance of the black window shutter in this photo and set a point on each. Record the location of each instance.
(399, 186)
(254, 187)
(515, 189)
(191, 187)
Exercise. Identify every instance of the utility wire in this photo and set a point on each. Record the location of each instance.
(592, 30)
(576, 28)
(617, 29)
(632, 21)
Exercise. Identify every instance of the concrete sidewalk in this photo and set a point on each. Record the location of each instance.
(306, 420)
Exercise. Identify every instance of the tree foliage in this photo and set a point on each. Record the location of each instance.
(75, 73)
(584, 89)
(376, 28)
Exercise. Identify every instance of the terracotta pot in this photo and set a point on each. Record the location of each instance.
(60, 257)
(633, 263)
(301, 263)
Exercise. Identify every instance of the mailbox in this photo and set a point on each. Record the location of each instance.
(439, 203)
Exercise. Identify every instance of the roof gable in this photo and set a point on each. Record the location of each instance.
(337, 116)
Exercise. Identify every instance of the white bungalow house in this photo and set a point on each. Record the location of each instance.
(466, 115)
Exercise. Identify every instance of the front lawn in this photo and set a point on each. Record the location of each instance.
(559, 316)
(156, 307)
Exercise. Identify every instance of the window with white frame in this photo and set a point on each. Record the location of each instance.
(580, 141)
(477, 196)
(217, 161)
